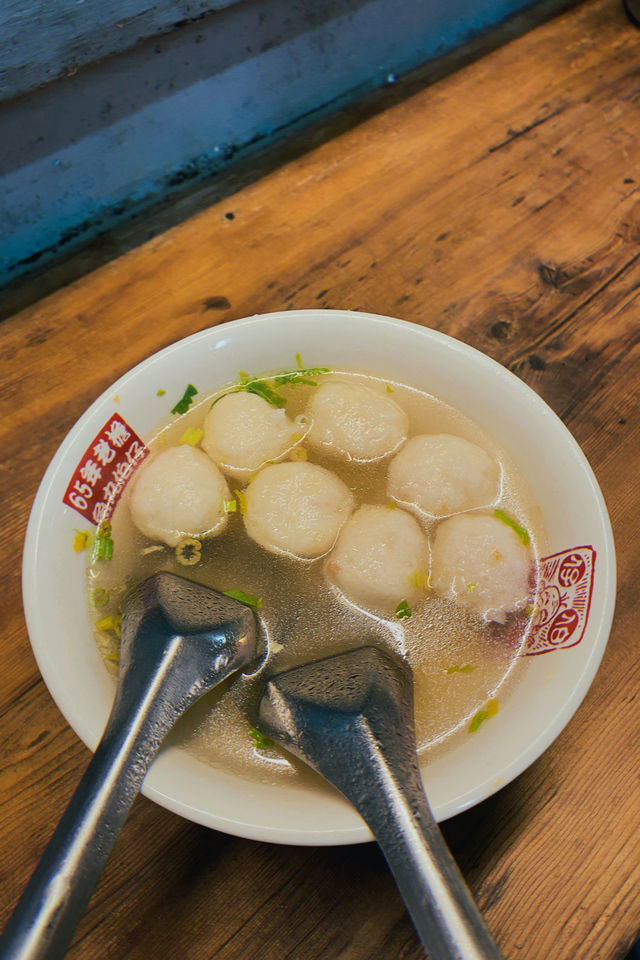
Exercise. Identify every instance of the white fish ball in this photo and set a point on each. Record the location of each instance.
(355, 422)
(242, 431)
(296, 508)
(179, 493)
(482, 563)
(440, 474)
(380, 557)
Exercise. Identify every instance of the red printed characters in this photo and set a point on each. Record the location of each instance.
(105, 469)
(562, 603)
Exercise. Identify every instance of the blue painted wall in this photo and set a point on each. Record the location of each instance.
(83, 152)
(41, 40)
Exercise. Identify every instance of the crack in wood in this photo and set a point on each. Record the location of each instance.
(515, 134)
(554, 328)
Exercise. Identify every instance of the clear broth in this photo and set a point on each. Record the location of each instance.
(304, 618)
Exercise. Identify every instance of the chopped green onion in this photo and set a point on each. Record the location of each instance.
(389, 389)
(160, 393)
(300, 376)
(110, 623)
(478, 718)
(520, 531)
(262, 389)
(100, 597)
(186, 400)
(230, 506)
(419, 579)
(466, 668)
(242, 501)
(103, 548)
(192, 436)
(298, 454)
(247, 598)
(471, 586)
(299, 361)
(188, 551)
(403, 610)
(261, 741)
(81, 540)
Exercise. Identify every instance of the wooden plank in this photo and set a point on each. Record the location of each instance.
(104, 144)
(500, 206)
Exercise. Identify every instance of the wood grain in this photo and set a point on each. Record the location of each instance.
(502, 206)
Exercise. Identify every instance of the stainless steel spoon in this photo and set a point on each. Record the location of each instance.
(179, 639)
(350, 717)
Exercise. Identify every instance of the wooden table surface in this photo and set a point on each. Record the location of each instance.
(500, 205)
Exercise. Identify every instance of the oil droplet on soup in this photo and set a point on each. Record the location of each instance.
(460, 658)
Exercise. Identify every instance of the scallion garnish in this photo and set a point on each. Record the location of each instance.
(186, 400)
(301, 376)
(478, 718)
(520, 531)
(192, 436)
(81, 540)
(419, 579)
(243, 597)
(100, 597)
(263, 388)
(466, 668)
(260, 740)
(403, 610)
(298, 455)
(103, 546)
(110, 623)
(188, 551)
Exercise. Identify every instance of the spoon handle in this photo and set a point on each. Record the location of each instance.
(433, 889)
(45, 918)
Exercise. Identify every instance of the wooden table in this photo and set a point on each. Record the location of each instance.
(501, 205)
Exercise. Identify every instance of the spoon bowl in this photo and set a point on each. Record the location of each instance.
(350, 717)
(179, 640)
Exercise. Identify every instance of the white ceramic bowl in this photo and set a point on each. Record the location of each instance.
(552, 684)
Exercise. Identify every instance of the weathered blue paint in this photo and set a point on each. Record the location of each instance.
(85, 152)
(41, 40)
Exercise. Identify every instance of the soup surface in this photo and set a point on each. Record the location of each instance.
(463, 663)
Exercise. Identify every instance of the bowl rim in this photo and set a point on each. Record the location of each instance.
(357, 832)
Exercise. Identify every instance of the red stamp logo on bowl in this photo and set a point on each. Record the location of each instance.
(105, 469)
(561, 610)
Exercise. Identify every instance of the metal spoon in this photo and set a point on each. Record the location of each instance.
(179, 639)
(350, 717)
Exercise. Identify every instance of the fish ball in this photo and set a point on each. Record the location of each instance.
(482, 563)
(380, 557)
(242, 431)
(355, 422)
(440, 474)
(179, 493)
(296, 508)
